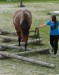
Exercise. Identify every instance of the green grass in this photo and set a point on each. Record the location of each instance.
(39, 16)
(25, 1)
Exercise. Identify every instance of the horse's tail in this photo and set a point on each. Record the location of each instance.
(24, 25)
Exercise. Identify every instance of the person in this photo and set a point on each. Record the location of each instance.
(54, 33)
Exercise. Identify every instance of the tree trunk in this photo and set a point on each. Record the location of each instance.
(27, 59)
(21, 3)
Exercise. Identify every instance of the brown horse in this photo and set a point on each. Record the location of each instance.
(22, 22)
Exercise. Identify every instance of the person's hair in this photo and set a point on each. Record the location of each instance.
(54, 19)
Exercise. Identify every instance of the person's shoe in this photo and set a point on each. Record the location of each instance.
(52, 50)
(54, 55)
(57, 54)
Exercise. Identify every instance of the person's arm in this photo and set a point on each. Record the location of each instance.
(41, 26)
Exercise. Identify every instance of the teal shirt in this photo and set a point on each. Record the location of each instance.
(54, 31)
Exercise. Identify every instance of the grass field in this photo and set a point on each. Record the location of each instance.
(26, 1)
(39, 12)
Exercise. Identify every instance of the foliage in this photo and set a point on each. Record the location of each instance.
(28, 0)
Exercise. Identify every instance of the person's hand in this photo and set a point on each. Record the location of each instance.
(36, 28)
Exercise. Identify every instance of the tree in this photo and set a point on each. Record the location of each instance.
(21, 3)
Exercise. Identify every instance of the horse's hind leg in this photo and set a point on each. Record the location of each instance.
(19, 40)
(25, 39)
(19, 37)
(26, 45)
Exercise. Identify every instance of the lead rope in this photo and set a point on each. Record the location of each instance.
(36, 34)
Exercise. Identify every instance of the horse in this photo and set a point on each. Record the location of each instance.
(22, 21)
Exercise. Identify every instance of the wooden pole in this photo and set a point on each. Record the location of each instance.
(2, 57)
(14, 33)
(41, 51)
(27, 59)
(1, 48)
(3, 32)
(7, 39)
(22, 43)
(30, 51)
(12, 47)
(54, 13)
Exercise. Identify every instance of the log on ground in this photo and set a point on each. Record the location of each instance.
(54, 13)
(27, 59)
(5, 38)
(3, 57)
(15, 46)
(3, 32)
(6, 46)
(8, 38)
(2, 49)
(41, 51)
(32, 41)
